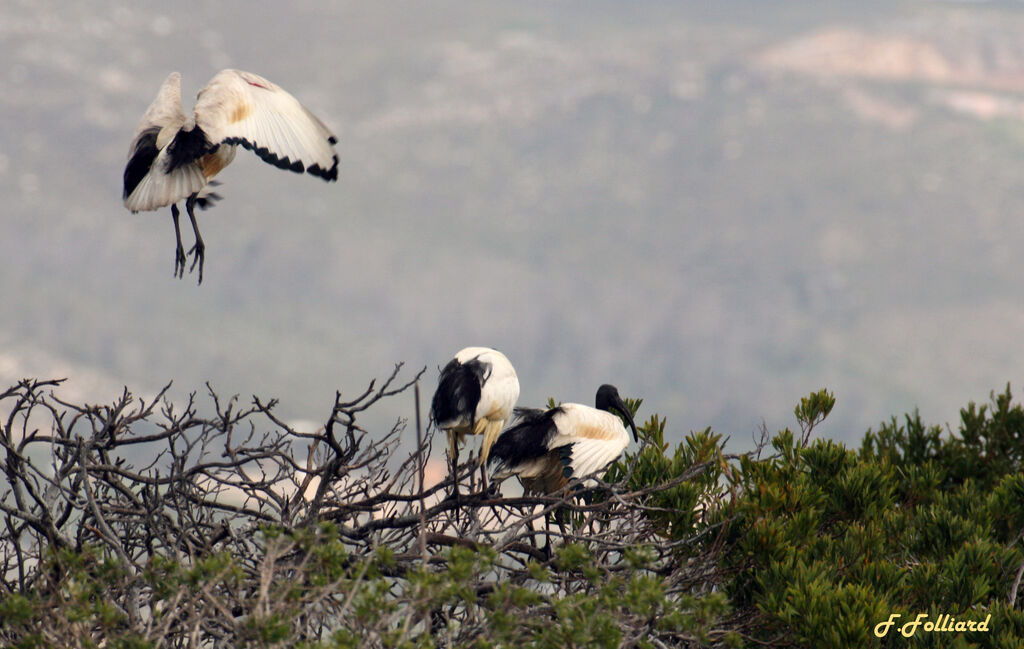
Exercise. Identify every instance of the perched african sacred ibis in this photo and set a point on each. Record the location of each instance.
(547, 448)
(475, 395)
(173, 157)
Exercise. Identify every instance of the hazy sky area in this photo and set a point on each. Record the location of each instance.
(717, 209)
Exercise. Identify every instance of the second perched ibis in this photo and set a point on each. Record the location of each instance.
(547, 448)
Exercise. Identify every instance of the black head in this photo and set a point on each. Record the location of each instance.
(608, 399)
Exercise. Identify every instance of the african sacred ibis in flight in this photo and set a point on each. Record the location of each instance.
(547, 448)
(475, 395)
(173, 157)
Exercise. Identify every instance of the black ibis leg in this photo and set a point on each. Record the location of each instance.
(199, 249)
(548, 541)
(453, 454)
(559, 516)
(179, 251)
(483, 478)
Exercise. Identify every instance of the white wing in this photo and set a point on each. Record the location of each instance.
(165, 110)
(598, 437)
(158, 189)
(500, 390)
(243, 108)
(147, 185)
(577, 421)
(498, 398)
(590, 455)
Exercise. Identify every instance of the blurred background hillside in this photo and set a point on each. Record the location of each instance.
(718, 208)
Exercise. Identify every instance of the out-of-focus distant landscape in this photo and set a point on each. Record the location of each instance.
(717, 208)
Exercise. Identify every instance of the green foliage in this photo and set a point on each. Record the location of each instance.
(78, 597)
(690, 476)
(813, 410)
(827, 542)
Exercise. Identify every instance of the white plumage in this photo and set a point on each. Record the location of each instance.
(476, 394)
(547, 448)
(173, 157)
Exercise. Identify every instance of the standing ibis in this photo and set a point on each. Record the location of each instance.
(475, 395)
(547, 448)
(174, 157)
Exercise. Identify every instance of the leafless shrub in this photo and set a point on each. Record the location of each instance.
(235, 529)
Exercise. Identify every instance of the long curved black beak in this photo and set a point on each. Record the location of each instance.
(608, 399)
(620, 405)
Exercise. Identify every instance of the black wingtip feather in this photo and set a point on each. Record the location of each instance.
(328, 175)
(141, 161)
(284, 162)
(565, 456)
(207, 201)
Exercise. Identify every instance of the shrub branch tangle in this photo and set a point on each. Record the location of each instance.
(143, 524)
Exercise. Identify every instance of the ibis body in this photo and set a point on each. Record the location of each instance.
(476, 395)
(547, 448)
(174, 157)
